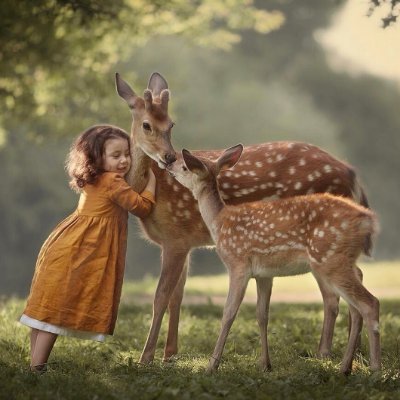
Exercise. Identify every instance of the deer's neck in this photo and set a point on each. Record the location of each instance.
(138, 174)
(210, 205)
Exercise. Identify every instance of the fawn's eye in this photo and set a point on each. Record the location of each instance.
(146, 126)
(184, 168)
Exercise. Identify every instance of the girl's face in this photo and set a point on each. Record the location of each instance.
(116, 156)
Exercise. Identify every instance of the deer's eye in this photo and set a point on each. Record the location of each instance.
(184, 168)
(146, 126)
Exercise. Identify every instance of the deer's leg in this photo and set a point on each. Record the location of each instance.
(264, 288)
(172, 266)
(237, 289)
(331, 310)
(347, 284)
(355, 330)
(359, 275)
(174, 307)
(368, 306)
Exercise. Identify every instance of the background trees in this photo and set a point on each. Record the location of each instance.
(230, 81)
(57, 57)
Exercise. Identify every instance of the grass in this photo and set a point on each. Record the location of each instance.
(381, 278)
(88, 370)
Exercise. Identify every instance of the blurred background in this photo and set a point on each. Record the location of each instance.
(326, 72)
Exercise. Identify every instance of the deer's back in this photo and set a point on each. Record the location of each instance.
(265, 172)
(283, 237)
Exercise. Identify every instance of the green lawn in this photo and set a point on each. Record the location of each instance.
(381, 278)
(87, 370)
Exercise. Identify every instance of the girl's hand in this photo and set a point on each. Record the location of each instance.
(151, 184)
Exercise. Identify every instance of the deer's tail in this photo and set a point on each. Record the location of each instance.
(361, 198)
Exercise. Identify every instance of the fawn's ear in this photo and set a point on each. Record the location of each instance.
(157, 84)
(125, 91)
(229, 157)
(193, 163)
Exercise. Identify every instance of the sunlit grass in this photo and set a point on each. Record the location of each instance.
(381, 278)
(89, 370)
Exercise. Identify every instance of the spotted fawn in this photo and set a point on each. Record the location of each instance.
(317, 233)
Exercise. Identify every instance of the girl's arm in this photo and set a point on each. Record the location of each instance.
(137, 204)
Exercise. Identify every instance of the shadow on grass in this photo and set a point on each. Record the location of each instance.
(87, 370)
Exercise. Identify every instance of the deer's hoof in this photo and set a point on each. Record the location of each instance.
(345, 370)
(212, 366)
(322, 355)
(145, 360)
(211, 370)
(170, 359)
(266, 368)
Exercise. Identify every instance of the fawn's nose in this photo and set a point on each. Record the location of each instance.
(170, 158)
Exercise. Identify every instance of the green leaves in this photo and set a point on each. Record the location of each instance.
(57, 57)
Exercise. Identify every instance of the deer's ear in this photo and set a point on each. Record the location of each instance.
(193, 163)
(125, 91)
(229, 157)
(157, 84)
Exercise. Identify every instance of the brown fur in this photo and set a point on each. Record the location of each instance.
(264, 240)
(176, 224)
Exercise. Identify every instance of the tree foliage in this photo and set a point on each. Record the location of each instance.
(268, 87)
(361, 109)
(55, 55)
(57, 65)
(392, 13)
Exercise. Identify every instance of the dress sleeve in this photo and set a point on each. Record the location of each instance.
(122, 194)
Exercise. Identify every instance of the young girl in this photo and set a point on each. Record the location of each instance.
(77, 283)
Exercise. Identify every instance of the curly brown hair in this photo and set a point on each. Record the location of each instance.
(84, 162)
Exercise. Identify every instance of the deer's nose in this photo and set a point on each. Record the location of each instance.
(170, 158)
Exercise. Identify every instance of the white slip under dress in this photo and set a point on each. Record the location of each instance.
(59, 330)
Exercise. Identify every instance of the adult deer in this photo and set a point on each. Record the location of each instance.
(317, 233)
(266, 171)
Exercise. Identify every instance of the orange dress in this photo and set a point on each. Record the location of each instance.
(80, 268)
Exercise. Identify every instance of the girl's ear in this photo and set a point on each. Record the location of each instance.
(229, 157)
(194, 164)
